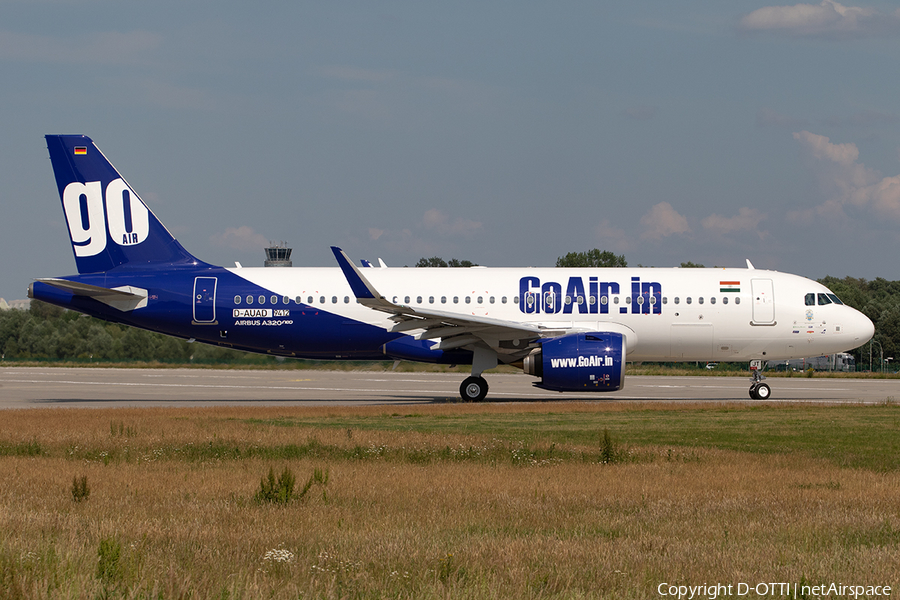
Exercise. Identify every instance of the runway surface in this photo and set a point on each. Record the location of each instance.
(82, 387)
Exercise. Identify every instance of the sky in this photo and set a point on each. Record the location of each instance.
(505, 133)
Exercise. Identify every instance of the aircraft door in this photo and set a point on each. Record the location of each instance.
(205, 300)
(763, 301)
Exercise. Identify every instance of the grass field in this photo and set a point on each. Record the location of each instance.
(564, 500)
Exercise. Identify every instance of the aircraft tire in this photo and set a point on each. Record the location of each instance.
(753, 395)
(473, 389)
(763, 392)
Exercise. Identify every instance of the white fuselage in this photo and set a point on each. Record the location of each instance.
(665, 314)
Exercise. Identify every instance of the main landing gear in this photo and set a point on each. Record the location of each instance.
(475, 388)
(758, 389)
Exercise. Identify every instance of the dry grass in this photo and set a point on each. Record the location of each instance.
(171, 506)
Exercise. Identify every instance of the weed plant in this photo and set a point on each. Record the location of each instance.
(80, 488)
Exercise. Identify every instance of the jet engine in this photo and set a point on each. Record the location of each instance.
(579, 362)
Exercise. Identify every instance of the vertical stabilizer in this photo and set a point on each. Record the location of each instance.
(109, 225)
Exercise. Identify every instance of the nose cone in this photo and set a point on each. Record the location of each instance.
(861, 328)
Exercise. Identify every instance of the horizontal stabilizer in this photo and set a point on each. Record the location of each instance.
(124, 298)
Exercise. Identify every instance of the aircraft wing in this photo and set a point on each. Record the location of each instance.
(453, 329)
(123, 298)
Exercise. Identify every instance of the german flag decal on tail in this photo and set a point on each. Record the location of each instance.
(80, 150)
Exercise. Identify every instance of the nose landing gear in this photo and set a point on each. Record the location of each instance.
(758, 389)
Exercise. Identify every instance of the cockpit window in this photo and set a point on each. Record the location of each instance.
(835, 299)
(824, 299)
(810, 299)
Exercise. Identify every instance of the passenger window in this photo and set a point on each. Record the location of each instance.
(592, 300)
(615, 299)
(491, 299)
(515, 299)
(321, 299)
(688, 300)
(737, 300)
(468, 300)
(580, 300)
(503, 300)
(430, 299)
(640, 300)
(346, 299)
(443, 299)
(725, 300)
(334, 299)
(262, 299)
(298, 300)
(677, 300)
(665, 299)
(604, 300)
(274, 299)
(406, 300)
(700, 300)
(237, 299)
(249, 299)
(418, 299)
(285, 299)
(712, 300)
(824, 299)
(309, 300)
(810, 299)
(652, 300)
(480, 300)
(455, 299)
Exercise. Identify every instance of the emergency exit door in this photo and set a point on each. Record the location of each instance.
(205, 300)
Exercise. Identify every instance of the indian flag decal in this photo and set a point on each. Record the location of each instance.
(730, 286)
(80, 150)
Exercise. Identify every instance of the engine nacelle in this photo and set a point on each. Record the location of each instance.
(580, 362)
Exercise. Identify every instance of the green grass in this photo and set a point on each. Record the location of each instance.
(848, 436)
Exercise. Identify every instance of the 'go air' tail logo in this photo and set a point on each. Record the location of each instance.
(126, 215)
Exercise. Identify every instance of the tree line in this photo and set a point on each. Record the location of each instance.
(46, 332)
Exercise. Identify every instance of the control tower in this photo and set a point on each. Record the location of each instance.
(278, 255)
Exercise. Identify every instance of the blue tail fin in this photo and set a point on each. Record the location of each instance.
(109, 225)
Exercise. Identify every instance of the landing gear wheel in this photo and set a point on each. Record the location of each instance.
(473, 389)
(760, 391)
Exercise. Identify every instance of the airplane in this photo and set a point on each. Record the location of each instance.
(571, 328)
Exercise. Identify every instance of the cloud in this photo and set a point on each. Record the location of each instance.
(821, 148)
(663, 221)
(828, 19)
(240, 238)
(434, 234)
(747, 219)
(849, 183)
(438, 222)
(612, 238)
